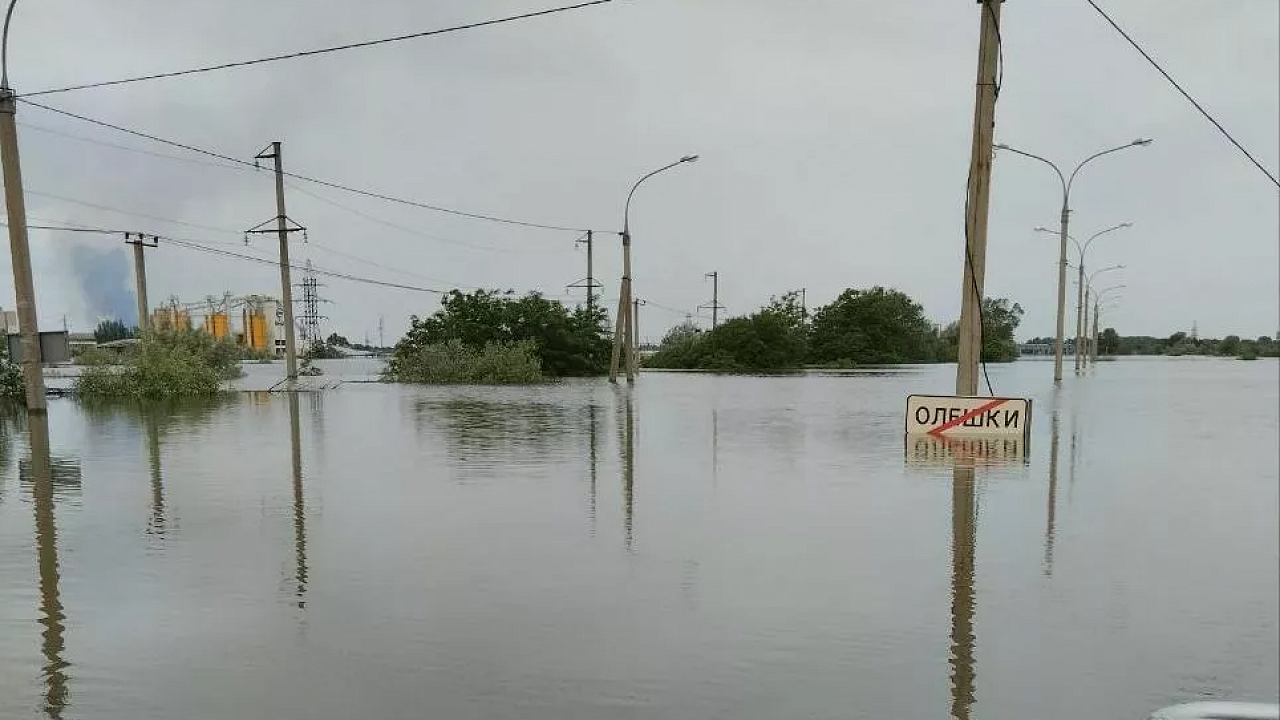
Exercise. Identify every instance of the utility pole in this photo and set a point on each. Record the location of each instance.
(140, 244)
(283, 228)
(590, 283)
(715, 305)
(1093, 348)
(979, 198)
(1082, 332)
(1082, 312)
(635, 325)
(23, 284)
(622, 325)
(804, 303)
(382, 338)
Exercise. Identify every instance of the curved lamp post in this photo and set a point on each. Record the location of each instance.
(1088, 292)
(1097, 309)
(624, 329)
(23, 284)
(1065, 220)
(1082, 309)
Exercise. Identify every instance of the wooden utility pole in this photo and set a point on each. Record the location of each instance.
(140, 244)
(978, 200)
(282, 230)
(23, 284)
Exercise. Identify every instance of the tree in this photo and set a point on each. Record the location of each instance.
(111, 330)
(337, 340)
(1108, 342)
(765, 341)
(1229, 345)
(871, 327)
(568, 342)
(1000, 320)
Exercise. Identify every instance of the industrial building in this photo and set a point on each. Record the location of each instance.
(252, 321)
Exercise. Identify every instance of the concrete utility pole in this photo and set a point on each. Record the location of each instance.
(804, 303)
(282, 230)
(590, 283)
(140, 245)
(979, 197)
(715, 305)
(623, 329)
(1064, 222)
(635, 325)
(15, 206)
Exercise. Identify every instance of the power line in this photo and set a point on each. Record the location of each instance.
(295, 176)
(1185, 94)
(406, 229)
(126, 148)
(156, 218)
(322, 51)
(202, 247)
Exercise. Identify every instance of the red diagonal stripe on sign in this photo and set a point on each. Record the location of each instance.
(972, 413)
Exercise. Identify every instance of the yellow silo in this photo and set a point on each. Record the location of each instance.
(217, 325)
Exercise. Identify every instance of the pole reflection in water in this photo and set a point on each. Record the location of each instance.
(52, 616)
(1050, 525)
(299, 503)
(628, 469)
(591, 439)
(964, 530)
(715, 447)
(156, 525)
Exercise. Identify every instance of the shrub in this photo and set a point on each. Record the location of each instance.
(166, 364)
(453, 363)
(12, 386)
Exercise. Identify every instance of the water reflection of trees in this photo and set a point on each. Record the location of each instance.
(477, 428)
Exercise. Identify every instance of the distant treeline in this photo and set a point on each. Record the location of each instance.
(1112, 343)
(876, 326)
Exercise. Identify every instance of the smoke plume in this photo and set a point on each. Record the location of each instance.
(104, 279)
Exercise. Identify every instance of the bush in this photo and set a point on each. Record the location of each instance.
(12, 385)
(167, 364)
(453, 363)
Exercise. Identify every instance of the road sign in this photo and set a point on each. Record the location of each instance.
(948, 416)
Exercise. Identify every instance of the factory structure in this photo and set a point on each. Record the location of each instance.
(255, 322)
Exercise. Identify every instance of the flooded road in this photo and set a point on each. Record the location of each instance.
(701, 547)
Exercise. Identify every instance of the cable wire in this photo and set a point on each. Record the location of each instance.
(317, 181)
(1185, 94)
(322, 51)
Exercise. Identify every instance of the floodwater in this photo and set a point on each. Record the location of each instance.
(701, 547)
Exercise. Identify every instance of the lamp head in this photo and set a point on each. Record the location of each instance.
(1142, 141)
(689, 158)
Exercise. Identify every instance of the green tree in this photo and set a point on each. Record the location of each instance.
(764, 341)
(871, 327)
(1229, 345)
(1000, 320)
(567, 342)
(337, 340)
(1108, 342)
(111, 330)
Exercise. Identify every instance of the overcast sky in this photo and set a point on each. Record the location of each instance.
(834, 138)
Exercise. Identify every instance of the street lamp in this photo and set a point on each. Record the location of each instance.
(1082, 309)
(1062, 233)
(23, 284)
(1088, 292)
(1097, 308)
(624, 328)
